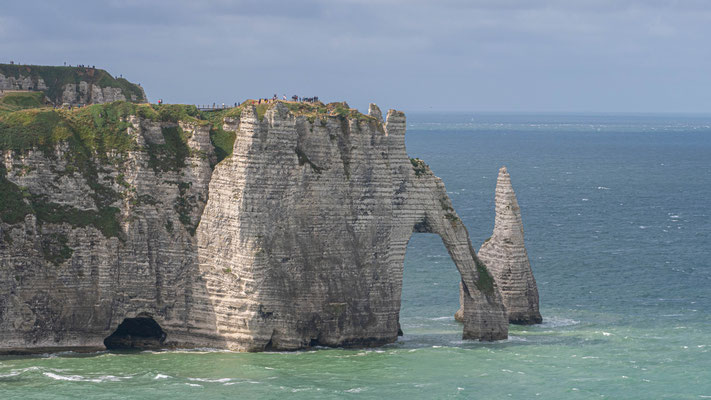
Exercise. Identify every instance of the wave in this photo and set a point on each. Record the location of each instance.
(79, 378)
(218, 380)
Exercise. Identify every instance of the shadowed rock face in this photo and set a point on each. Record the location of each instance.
(505, 255)
(301, 240)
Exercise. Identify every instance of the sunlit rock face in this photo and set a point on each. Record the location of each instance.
(296, 239)
(303, 238)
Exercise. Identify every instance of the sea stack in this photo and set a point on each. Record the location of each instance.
(505, 256)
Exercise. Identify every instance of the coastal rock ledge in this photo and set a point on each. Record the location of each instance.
(295, 239)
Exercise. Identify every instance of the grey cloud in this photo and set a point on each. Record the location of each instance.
(481, 54)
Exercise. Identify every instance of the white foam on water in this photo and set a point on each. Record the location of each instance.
(603, 188)
(198, 350)
(161, 376)
(193, 384)
(79, 378)
(219, 380)
(355, 390)
(16, 372)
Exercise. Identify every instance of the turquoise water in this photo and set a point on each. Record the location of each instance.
(618, 228)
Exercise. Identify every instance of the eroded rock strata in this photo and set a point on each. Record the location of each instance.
(297, 238)
(505, 256)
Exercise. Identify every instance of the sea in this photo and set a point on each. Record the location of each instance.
(617, 218)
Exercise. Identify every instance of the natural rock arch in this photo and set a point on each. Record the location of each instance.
(303, 237)
(482, 313)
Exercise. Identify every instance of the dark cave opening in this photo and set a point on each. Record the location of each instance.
(140, 333)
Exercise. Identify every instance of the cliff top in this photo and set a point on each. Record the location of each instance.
(26, 122)
(311, 110)
(55, 77)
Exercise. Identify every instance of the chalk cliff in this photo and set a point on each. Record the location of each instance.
(505, 256)
(98, 225)
(117, 214)
(70, 85)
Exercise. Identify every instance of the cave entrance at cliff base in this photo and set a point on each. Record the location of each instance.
(430, 289)
(139, 333)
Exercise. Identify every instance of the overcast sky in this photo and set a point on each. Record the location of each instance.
(477, 55)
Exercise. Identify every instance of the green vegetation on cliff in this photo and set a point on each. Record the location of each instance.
(17, 202)
(99, 128)
(95, 136)
(102, 128)
(485, 283)
(56, 77)
(419, 166)
(14, 101)
(13, 207)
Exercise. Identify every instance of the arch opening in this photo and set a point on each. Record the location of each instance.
(139, 333)
(430, 288)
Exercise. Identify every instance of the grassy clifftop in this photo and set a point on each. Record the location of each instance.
(25, 123)
(10, 102)
(56, 77)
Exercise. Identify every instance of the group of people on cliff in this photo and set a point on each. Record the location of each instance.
(295, 98)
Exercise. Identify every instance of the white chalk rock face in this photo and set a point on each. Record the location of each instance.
(505, 256)
(303, 238)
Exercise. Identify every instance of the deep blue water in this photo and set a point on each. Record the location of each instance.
(618, 228)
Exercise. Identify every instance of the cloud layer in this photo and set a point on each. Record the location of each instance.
(485, 55)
